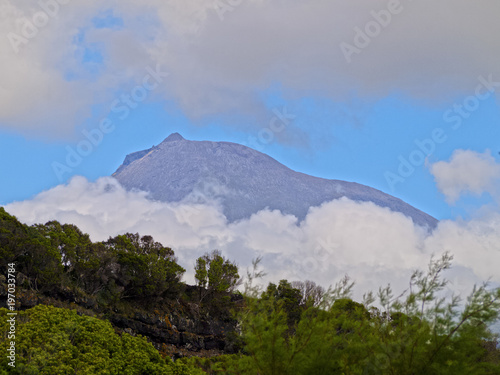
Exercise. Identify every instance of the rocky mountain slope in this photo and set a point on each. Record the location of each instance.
(244, 180)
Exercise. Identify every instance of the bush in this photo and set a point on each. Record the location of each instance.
(51, 341)
(419, 334)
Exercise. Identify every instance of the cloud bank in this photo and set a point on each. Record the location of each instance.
(373, 245)
(221, 60)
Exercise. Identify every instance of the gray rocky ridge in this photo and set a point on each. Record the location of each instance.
(244, 180)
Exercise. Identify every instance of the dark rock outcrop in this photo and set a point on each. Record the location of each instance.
(175, 328)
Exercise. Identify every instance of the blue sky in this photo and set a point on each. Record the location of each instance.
(356, 137)
(400, 96)
(362, 153)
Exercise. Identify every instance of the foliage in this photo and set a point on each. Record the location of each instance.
(145, 268)
(54, 257)
(290, 328)
(213, 365)
(252, 290)
(217, 274)
(31, 250)
(289, 299)
(82, 260)
(55, 341)
(422, 333)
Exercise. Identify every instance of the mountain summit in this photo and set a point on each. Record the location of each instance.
(174, 137)
(244, 180)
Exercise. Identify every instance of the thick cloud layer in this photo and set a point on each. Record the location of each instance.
(371, 244)
(221, 59)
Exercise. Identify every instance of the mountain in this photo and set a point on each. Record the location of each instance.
(244, 180)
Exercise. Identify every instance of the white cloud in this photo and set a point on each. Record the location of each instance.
(467, 172)
(430, 51)
(371, 244)
(474, 244)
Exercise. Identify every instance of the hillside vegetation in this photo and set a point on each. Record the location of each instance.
(120, 307)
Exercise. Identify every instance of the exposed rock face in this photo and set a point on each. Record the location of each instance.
(192, 335)
(244, 180)
(176, 329)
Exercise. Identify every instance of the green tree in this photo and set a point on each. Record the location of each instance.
(34, 254)
(216, 275)
(82, 263)
(425, 333)
(12, 235)
(145, 268)
(201, 272)
(289, 297)
(420, 333)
